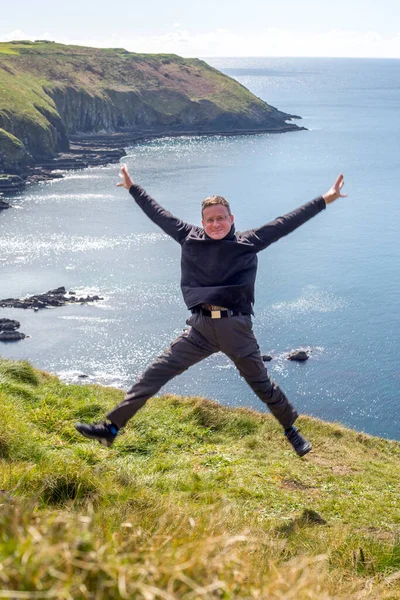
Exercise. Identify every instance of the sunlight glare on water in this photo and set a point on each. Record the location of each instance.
(331, 287)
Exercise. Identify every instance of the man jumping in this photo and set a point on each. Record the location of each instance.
(218, 273)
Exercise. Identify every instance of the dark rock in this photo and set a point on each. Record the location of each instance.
(4, 204)
(57, 291)
(9, 325)
(47, 168)
(19, 304)
(8, 331)
(11, 183)
(83, 376)
(54, 298)
(11, 336)
(39, 174)
(266, 357)
(299, 355)
(78, 157)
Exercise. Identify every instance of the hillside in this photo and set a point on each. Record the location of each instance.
(194, 501)
(50, 92)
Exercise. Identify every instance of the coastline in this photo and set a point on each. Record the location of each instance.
(89, 150)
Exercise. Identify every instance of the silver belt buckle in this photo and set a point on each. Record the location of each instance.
(215, 314)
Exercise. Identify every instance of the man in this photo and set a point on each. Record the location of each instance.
(218, 272)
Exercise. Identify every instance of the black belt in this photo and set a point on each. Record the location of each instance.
(217, 314)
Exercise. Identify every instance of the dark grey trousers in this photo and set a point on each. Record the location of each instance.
(234, 337)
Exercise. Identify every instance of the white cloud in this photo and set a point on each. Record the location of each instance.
(17, 34)
(222, 42)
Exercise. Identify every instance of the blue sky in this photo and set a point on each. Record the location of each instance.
(354, 28)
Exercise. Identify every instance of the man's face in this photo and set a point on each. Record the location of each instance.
(217, 221)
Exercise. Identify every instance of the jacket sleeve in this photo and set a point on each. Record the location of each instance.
(271, 232)
(172, 226)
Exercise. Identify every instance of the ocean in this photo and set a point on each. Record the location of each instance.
(331, 287)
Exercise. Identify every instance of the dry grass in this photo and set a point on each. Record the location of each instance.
(194, 501)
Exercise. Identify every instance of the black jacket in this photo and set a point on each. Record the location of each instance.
(222, 272)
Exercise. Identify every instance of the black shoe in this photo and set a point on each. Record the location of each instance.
(104, 432)
(298, 441)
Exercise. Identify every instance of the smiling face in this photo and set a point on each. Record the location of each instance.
(217, 221)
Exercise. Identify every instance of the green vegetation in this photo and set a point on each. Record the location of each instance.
(50, 91)
(193, 501)
(13, 153)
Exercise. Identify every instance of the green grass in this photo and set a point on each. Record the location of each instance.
(194, 500)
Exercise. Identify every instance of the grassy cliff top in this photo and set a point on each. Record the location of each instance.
(55, 65)
(193, 501)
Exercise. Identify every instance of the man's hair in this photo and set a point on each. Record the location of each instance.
(213, 200)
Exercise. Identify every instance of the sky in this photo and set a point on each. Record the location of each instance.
(212, 28)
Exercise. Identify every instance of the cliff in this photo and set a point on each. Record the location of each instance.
(51, 92)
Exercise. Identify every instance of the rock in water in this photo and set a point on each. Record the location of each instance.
(266, 357)
(53, 298)
(8, 331)
(299, 355)
(9, 325)
(3, 204)
(11, 336)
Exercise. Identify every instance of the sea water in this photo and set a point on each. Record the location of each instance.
(330, 287)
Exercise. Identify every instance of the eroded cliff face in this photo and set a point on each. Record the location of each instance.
(110, 112)
(56, 91)
(13, 156)
(162, 111)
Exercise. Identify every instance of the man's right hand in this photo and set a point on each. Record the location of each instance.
(126, 182)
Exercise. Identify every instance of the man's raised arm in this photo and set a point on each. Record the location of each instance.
(273, 231)
(172, 226)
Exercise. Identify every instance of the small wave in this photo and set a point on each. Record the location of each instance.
(86, 291)
(82, 176)
(312, 351)
(85, 196)
(87, 319)
(27, 247)
(312, 299)
(98, 378)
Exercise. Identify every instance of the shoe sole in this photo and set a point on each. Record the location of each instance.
(305, 451)
(102, 441)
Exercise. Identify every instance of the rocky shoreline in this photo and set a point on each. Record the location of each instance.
(50, 299)
(95, 150)
(98, 151)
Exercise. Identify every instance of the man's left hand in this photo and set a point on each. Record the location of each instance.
(335, 192)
